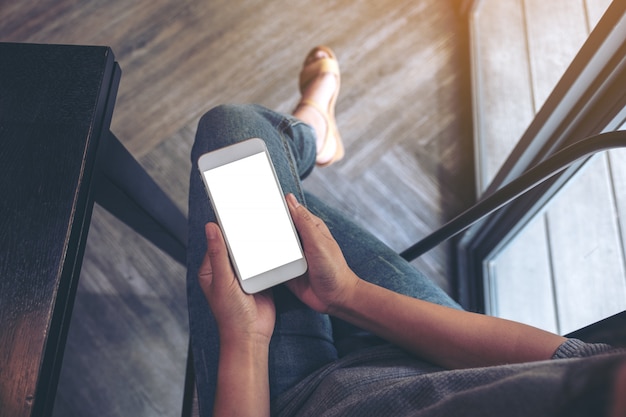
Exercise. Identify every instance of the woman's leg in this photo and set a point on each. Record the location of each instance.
(302, 340)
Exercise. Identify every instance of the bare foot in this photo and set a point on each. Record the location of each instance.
(320, 91)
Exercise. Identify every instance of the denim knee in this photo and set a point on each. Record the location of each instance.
(283, 134)
(224, 125)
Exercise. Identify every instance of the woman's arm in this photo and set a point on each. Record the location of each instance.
(242, 380)
(245, 323)
(448, 337)
(445, 336)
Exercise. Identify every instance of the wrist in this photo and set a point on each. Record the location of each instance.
(348, 296)
(244, 340)
(251, 355)
(364, 306)
(243, 376)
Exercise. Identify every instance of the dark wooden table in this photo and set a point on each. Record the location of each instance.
(57, 157)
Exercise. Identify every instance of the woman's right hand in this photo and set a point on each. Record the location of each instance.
(329, 281)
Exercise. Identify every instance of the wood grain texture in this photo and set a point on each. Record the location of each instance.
(595, 9)
(617, 162)
(521, 287)
(51, 117)
(576, 277)
(501, 79)
(580, 251)
(550, 50)
(586, 249)
(128, 337)
(404, 113)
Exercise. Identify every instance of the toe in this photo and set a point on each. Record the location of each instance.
(315, 55)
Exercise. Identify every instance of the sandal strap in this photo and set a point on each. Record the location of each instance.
(321, 66)
(317, 107)
(330, 129)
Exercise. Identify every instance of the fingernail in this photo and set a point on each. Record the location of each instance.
(210, 231)
(294, 201)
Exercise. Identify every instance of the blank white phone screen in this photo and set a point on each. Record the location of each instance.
(253, 215)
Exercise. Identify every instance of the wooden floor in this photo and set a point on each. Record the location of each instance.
(404, 113)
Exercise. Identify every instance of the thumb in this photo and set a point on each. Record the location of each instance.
(215, 269)
(309, 225)
(205, 273)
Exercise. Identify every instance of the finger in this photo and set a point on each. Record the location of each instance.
(308, 224)
(205, 273)
(217, 253)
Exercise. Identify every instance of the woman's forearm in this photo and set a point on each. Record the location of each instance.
(442, 335)
(242, 380)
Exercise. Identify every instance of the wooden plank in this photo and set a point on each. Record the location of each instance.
(520, 286)
(617, 160)
(551, 51)
(204, 49)
(503, 109)
(503, 105)
(585, 245)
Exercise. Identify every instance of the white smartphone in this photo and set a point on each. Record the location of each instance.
(251, 210)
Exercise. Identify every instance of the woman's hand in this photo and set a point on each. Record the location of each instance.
(246, 324)
(239, 316)
(329, 281)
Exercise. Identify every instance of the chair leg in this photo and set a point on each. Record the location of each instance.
(190, 396)
(126, 190)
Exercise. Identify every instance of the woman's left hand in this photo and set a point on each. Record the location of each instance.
(240, 317)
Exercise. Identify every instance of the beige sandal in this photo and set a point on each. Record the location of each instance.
(307, 75)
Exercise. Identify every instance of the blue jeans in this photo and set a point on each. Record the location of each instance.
(303, 340)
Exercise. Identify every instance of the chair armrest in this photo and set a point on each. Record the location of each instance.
(611, 330)
(518, 187)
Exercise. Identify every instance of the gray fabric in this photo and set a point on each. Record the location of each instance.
(385, 380)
